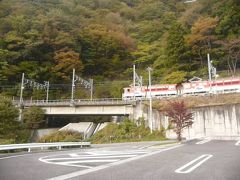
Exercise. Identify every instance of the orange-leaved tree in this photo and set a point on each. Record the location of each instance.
(179, 115)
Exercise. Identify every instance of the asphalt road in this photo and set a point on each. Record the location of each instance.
(195, 160)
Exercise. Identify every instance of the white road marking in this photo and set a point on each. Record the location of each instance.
(90, 157)
(203, 141)
(90, 161)
(74, 155)
(190, 168)
(104, 153)
(8, 157)
(86, 171)
(21, 155)
(144, 147)
(74, 163)
(99, 156)
(237, 143)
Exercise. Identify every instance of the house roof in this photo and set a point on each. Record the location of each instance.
(194, 79)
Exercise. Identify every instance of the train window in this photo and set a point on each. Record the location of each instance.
(219, 84)
(231, 82)
(227, 83)
(236, 82)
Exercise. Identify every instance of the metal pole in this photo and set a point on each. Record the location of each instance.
(21, 99)
(21, 91)
(209, 72)
(91, 84)
(150, 99)
(73, 85)
(134, 79)
(209, 68)
(47, 90)
(142, 97)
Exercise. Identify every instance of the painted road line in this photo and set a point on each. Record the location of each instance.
(91, 161)
(8, 157)
(20, 155)
(75, 163)
(81, 158)
(144, 147)
(189, 167)
(203, 141)
(64, 163)
(90, 157)
(104, 153)
(86, 171)
(237, 143)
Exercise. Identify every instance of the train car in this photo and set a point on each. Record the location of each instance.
(197, 88)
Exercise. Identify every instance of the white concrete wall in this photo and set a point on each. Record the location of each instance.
(218, 122)
(90, 110)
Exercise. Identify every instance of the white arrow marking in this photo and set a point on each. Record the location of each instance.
(237, 143)
(190, 168)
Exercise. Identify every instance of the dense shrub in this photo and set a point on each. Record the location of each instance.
(126, 131)
(62, 136)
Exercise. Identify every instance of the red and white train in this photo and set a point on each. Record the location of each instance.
(190, 88)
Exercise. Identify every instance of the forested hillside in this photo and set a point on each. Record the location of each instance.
(102, 39)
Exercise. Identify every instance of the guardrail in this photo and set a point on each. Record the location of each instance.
(66, 102)
(30, 146)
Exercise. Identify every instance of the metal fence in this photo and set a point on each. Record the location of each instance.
(66, 102)
(30, 146)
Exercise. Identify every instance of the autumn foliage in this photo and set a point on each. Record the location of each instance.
(179, 116)
(102, 39)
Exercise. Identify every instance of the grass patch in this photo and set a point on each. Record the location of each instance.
(199, 101)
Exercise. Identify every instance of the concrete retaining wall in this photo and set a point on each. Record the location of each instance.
(218, 122)
(38, 133)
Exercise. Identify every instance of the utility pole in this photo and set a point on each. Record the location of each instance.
(91, 88)
(47, 89)
(21, 90)
(134, 81)
(209, 68)
(150, 99)
(21, 99)
(209, 73)
(73, 86)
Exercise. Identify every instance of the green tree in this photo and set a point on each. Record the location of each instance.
(175, 77)
(8, 119)
(228, 14)
(176, 48)
(33, 115)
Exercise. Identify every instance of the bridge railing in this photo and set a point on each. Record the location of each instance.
(30, 146)
(65, 102)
